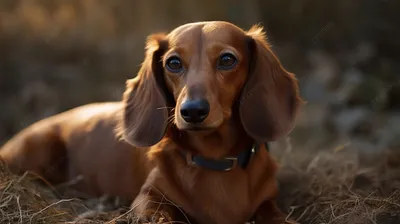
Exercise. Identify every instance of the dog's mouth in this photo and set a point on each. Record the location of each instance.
(196, 127)
(207, 125)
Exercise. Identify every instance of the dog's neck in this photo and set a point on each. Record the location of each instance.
(227, 140)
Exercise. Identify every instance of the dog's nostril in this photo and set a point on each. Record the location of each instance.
(195, 111)
(203, 112)
(184, 112)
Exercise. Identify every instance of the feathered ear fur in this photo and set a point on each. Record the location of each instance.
(145, 99)
(270, 98)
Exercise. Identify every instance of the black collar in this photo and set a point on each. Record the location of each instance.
(225, 164)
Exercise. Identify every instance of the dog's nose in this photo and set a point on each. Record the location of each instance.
(195, 111)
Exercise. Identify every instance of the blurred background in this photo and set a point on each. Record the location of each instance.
(56, 55)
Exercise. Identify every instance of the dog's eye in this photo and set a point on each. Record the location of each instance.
(174, 64)
(227, 61)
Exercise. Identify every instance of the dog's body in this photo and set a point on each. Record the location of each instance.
(229, 93)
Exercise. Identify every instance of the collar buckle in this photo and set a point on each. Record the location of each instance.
(234, 161)
(189, 159)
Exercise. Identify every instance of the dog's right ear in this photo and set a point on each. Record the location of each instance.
(145, 111)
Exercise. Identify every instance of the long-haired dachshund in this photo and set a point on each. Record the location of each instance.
(187, 142)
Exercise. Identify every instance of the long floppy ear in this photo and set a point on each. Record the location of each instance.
(145, 110)
(270, 98)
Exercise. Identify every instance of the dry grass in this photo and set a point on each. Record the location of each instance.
(22, 201)
(336, 187)
(329, 187)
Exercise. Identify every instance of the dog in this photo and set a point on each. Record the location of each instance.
(188, 140)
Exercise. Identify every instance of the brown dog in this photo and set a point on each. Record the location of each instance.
(207, 98)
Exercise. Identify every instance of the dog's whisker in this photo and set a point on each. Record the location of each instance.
(171, 117)
(160, 108)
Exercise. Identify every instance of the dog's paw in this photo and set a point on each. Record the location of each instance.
(155, 218)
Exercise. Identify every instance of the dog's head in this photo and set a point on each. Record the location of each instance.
(195, 77)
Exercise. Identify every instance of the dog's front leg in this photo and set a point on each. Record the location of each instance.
(269, 213)
(151, 206)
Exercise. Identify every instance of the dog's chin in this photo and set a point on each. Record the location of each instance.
(207, 127)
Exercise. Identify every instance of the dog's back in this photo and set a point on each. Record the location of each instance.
(80, 142)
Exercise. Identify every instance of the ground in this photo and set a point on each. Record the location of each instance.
(330, 186)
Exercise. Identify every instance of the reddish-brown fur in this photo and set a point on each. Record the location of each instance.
(255, 101)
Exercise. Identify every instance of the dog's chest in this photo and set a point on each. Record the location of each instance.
(220, 197)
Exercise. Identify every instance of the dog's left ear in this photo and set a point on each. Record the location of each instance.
(146, 98)
(270, 97)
